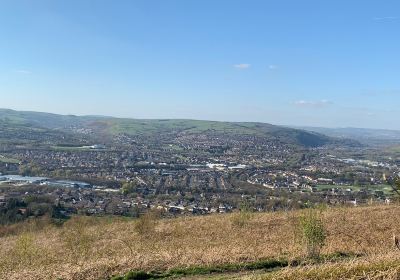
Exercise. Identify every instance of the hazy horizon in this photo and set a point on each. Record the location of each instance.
(297, 63)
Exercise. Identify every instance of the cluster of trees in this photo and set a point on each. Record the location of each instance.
(30, 170)
(129, 187)
(16, 210)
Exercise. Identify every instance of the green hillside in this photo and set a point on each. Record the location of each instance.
(147, 127)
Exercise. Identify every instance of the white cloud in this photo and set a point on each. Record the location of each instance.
(23, 71)
(242, 66)
(313, 104)
(272, 67)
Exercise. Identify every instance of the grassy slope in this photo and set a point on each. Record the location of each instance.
(385, 266)
(374, 267)
(44, 120)
(96, 248)
(130, 126)
(147, 127)
(107, 125)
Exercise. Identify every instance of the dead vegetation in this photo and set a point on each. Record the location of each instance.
(371, 267)
(97, 248)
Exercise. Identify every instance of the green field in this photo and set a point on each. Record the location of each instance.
(68, 148)
(173, 147)
(8, 160)
(146, 127)
(387, 189)
(394, 149)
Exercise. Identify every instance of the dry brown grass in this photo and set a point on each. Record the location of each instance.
(372, 267)
(96, 248)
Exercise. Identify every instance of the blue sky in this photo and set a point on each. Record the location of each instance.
(294, 62)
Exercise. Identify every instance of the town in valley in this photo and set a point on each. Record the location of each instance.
(109, 166)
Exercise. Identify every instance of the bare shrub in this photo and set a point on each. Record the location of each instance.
(313, 232)
(78, 240)
(25, 249)
(146, 223)
(242, 218)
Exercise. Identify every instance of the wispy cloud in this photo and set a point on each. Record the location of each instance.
(313, 104)
(22, 71)
(272, 67)
(242, 66)
(385, 18)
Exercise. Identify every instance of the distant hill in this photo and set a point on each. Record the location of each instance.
(112, 126)
(365, 135)
(43, 120)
